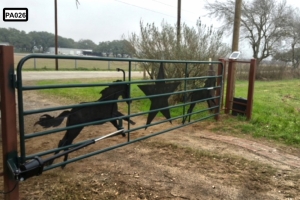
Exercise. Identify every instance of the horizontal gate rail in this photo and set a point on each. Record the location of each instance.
(202, 114)
(105, 102)
(24, 88)
(28, 157)
(31, 135)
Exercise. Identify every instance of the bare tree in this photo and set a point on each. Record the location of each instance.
(195, 44)
(77, 3)
(200, 43)
(294, 35)
(263, 22)
(289, 56)
(288, 51)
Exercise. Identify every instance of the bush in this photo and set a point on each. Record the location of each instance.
(199, 44)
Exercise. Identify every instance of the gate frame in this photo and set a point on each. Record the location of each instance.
(230, 87)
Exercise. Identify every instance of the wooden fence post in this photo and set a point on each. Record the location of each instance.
(8, 118)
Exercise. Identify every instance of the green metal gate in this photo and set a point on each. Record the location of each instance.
(177, 119)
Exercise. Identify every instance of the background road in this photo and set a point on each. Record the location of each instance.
(41, 75)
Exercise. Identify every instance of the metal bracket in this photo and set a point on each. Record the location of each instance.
(12, 78)
(12, 168)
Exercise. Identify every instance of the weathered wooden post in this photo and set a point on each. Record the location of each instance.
(8, 119)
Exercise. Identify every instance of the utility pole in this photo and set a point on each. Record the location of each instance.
(56, 43)
(236, 35)
(178, 22)
(236, 25)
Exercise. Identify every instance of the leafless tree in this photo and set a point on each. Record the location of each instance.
(294, 35)
(200, 43)
(288, 51)
(263, 22)
(77, 3)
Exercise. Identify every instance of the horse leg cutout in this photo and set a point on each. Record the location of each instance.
(190, 110)
(119, 114)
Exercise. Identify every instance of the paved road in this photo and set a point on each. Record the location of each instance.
(41, 75)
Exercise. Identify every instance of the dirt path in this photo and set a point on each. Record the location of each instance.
(187, 163)
(281, 159)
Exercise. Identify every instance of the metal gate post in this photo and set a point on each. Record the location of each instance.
(252, 73)
(224, 80)
(219, 91)
(8, 119)
(229, 87)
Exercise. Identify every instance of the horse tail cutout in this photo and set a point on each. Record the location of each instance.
(47, 121)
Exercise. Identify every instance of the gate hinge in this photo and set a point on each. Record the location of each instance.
(12, 79)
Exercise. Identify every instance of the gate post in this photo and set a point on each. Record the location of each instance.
(219, 91)
(252, 73)
(229, 87)
(8, 119)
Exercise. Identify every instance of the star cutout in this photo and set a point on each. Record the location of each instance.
(161, 101)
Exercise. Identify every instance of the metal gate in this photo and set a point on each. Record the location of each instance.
(206, 88)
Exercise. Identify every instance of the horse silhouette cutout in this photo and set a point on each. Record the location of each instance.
(200, 95)
(87, 114)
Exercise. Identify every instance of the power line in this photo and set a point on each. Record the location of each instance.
(145, 8)
(173, 6)
(149, 10)
(164, 4)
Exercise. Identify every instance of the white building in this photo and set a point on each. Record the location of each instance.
(67, 51)
(4, 43)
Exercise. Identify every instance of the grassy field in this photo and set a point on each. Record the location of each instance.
(276, 109)
(49, 64)
(276, 112)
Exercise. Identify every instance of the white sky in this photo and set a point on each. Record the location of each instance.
(105, 20)
(100, 20)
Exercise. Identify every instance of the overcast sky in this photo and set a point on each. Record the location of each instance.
(105, 20)
(100, 20)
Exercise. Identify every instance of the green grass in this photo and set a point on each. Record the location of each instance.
(276, 109)
(76, 94)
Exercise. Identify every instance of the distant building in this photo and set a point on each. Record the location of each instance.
(4, 43)
(90, 53)
(68, 51)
